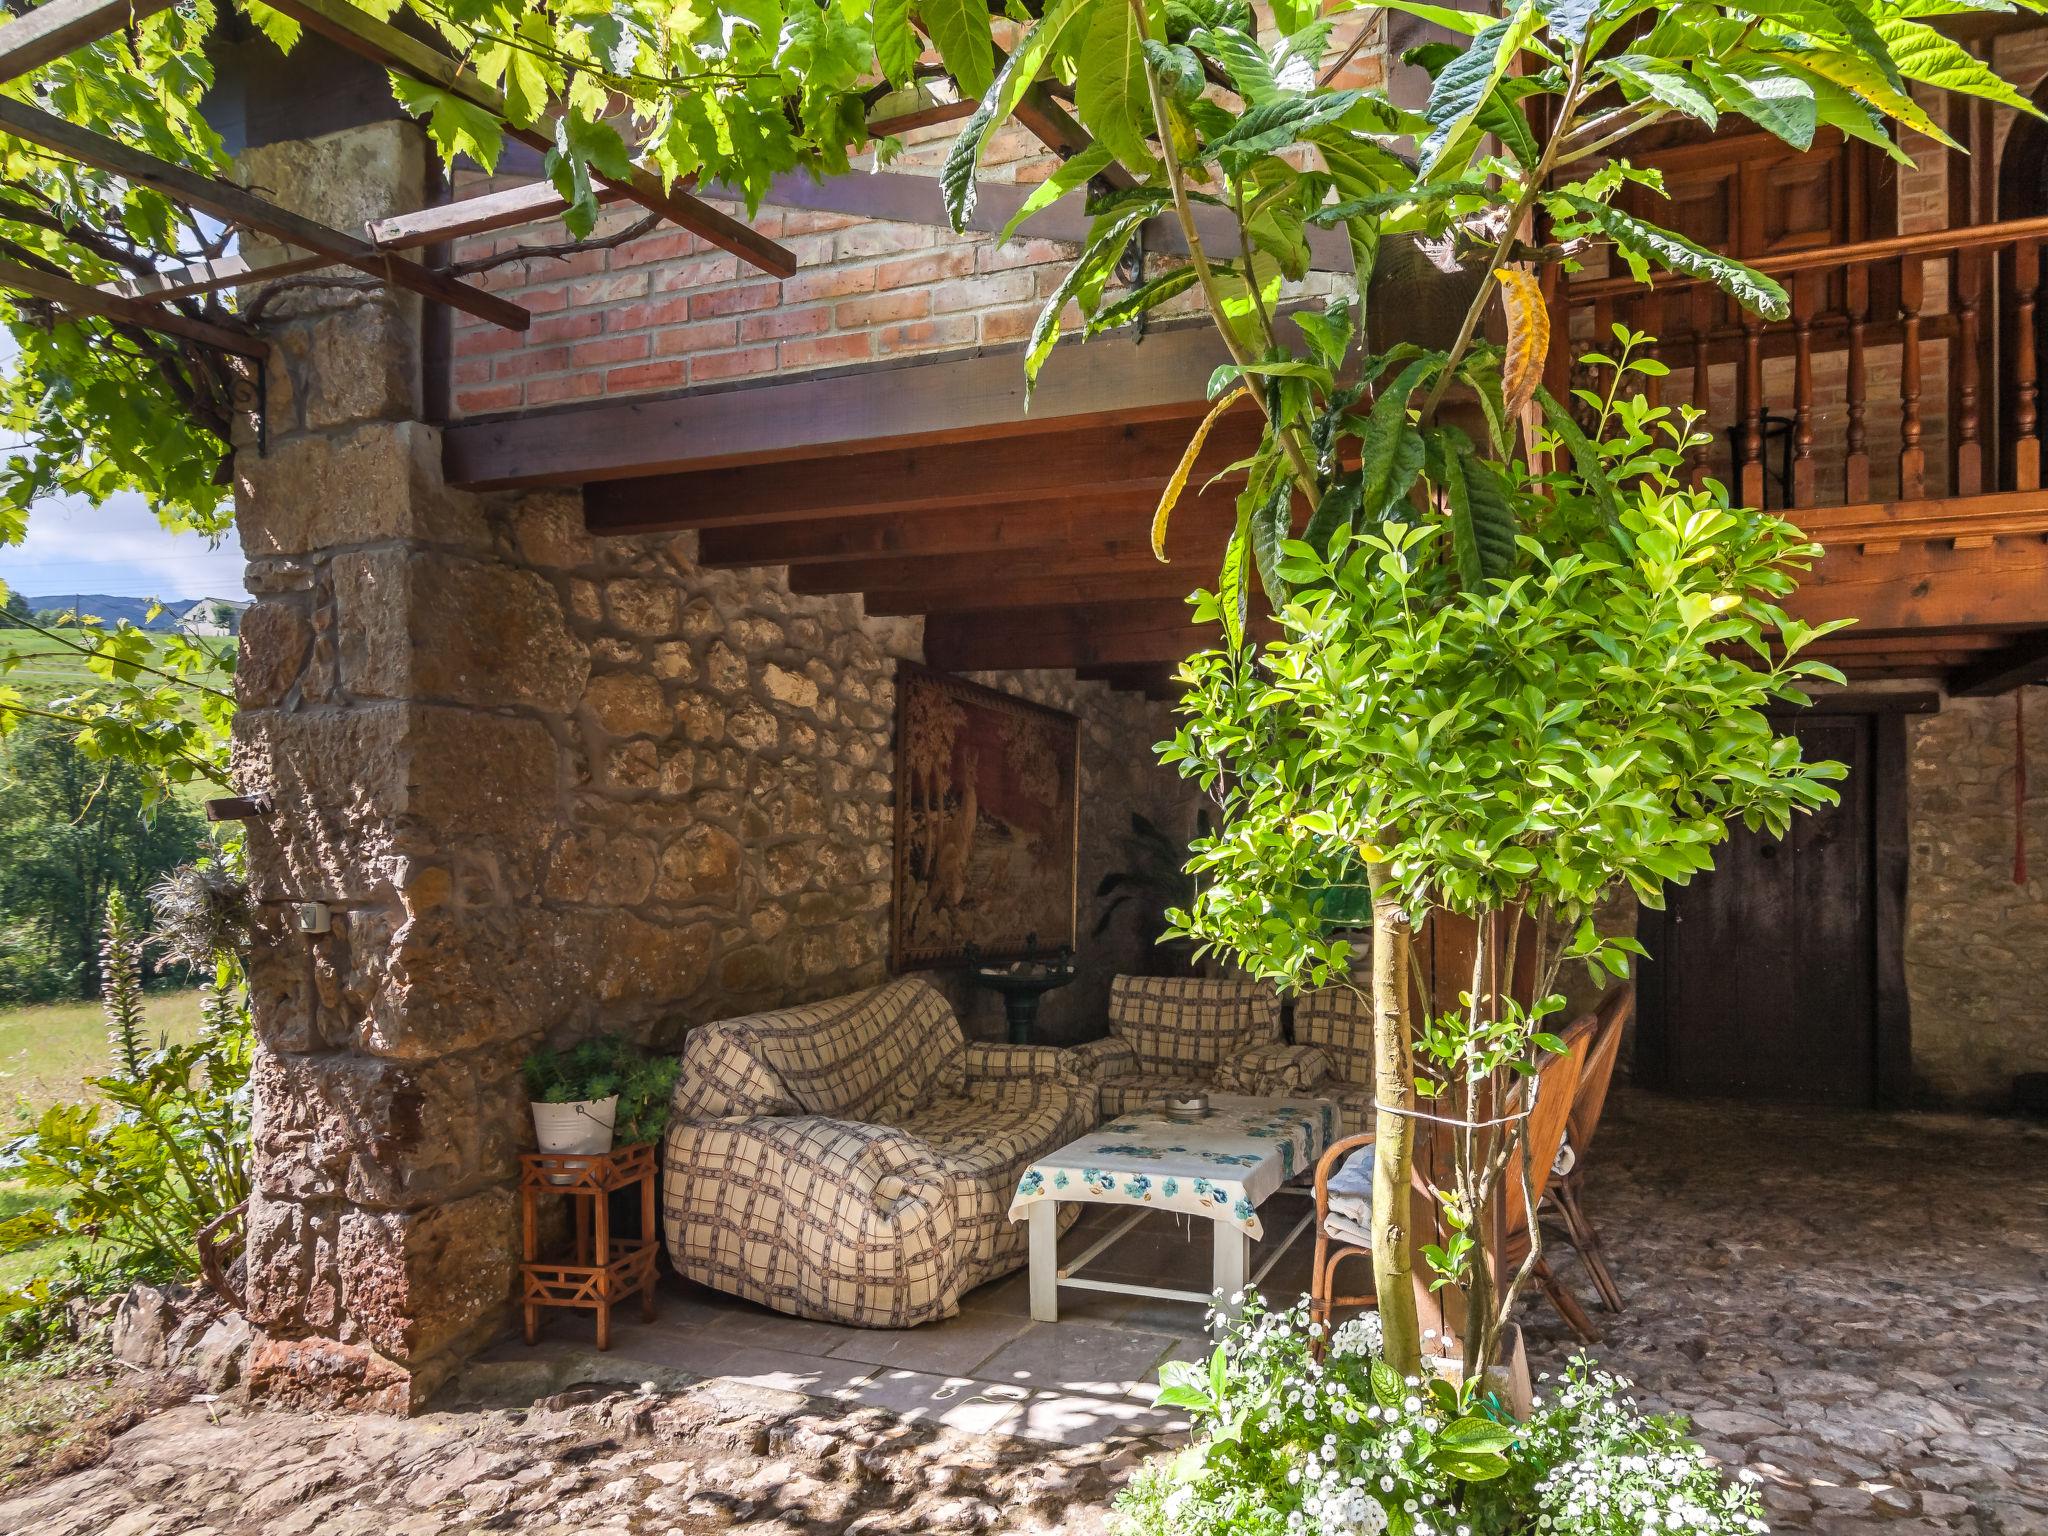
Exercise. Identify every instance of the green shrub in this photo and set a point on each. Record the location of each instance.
(1288, 1445)
(601, 1067)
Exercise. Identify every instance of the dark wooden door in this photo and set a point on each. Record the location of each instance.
(1763, 976)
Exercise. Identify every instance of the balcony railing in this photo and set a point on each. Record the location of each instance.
(1835, 405)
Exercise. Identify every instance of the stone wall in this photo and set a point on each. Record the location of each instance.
(547, 785)
(1976, 943)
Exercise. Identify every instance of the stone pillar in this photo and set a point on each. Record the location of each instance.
(391, 669)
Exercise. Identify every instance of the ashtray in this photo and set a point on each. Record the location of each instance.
(1196, 1108)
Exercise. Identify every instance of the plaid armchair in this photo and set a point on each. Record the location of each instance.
(1337, 1022)
(1179, 1035)
(853, 1160)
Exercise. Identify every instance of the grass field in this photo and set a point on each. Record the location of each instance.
(46, 1054)
(46, 668)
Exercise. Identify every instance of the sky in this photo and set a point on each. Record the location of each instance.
(118, 548)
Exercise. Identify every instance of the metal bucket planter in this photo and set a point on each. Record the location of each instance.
(583, 1128)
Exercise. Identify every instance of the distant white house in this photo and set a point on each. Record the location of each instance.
(212, 616)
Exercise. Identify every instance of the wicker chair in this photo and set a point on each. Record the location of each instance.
(1542, 1136)
(1611, 1021)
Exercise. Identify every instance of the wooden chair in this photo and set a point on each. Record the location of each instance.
(1542, 1135)
(1612, 1017)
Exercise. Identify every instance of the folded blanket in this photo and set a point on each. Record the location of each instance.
(1343, 1230)
(1351, 1189)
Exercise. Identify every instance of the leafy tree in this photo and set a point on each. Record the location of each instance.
(1389, 497)
(16, 607)
(73, 832)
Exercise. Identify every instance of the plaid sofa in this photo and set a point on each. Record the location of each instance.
(853, 1160)
(1175, 1035)
(1337, 1022)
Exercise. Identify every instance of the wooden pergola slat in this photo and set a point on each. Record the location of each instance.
(224, 200)
(85, 300)
(47, 33)
(385, 44)
(506, 209)
(2018, 664)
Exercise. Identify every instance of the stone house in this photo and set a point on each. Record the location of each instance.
(570, 676)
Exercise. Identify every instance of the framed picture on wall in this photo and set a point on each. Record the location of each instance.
(987, 815)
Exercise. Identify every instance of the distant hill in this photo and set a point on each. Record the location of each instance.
(102, 605)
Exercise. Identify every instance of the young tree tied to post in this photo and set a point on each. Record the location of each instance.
(1483, 670)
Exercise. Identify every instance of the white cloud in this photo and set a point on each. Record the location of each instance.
(118, 548)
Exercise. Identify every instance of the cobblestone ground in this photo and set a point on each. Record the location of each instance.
(1854, 1306)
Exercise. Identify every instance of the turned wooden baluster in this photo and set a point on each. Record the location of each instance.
(2026, 445)
(1967, 274)
(1703, 301)
(1805, 301)
(1753, 408)
(1650, 321)
(1912, 456)
(1856, 465)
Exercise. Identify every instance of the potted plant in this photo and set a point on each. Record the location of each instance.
(600, 1091)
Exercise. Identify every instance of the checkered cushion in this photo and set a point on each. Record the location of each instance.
(1340, 1021)
(883, 1208)
(865, 1056)
(1173, 1023)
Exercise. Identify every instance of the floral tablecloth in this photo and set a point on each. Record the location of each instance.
(1222, 1167)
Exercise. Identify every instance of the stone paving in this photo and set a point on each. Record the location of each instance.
(1854, 1306)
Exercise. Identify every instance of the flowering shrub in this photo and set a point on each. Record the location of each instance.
(1287, 1445)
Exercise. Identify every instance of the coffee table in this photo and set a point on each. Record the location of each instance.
(1221, 1168)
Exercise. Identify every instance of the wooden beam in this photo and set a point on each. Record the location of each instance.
(2024, 661)
(915, 107)
(210, 276)
(998, 592)
(47, 33)
(81, 299)
(1115, 460)
(1070, 637)
(1928, 588)
(953, 397)
(235, 205)
(506, 209)
(343, 23)
(900, 551)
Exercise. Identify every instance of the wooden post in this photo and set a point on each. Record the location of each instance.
(1753, 409)
(1912, 456)
(1805, 301)
(1702, 382)
(2026, 441)
(1966, 274)
(1856, 464)
(601, 1241)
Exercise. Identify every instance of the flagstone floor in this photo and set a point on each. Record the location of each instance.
(1854, 1306)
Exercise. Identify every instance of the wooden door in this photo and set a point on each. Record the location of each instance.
(1763, 978)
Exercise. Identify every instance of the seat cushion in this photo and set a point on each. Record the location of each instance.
(1178, 1023)
(1128, 1094)
(867, 1056)
(1340, 1022)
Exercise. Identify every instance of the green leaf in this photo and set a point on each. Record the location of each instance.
(896, 44)
(1243, 60)
(1472, 1433)
(1149, 294)
(1178, 68)
(1638, 240)
(1568, 19)
(1483, 525)
(1233, 582)
(999, 100)
(1387, 1389)
(458, 127)
(1275, 125)
(1381, 453)
(1775, 99)
(1466, 23)
(1861, 78)
(1923, 54)
(1110, 93)
(1338, 509)
(281, 29)
(960, 31)
(1271, 525)
(1835, 18)
(1094, 265)
(1466, 83)
(1642, 76)
(1073, 173)
(1586, 464)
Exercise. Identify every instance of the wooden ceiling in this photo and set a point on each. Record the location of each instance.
(1023, 536)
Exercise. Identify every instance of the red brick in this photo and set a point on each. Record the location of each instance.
(486, 338)
(667, 245)
(609, 288)
(585, 322)
(698, 272)
(731, 365)
(825, 351)
(711, 336)
(925, 335)
(734, 301)
(828, 283)
(882, 309)
(641, 317)
(914, 271)
(882, 240)
(1007, 324)
(645, 376)
(566, 386)
(471, 402)
(523, 365)
(476, 371)
(808, 221)
(984, 292)
(774, 324)
(609, 349)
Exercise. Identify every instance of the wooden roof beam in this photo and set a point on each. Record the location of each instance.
(1063, 637)
(2024, 661)
(342, 23)
(238, 206)
(82, 299)
(47, 33)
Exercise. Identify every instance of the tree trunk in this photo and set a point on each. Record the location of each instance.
(1393, 1136)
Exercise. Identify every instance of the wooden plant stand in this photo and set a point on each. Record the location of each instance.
(607, 1269)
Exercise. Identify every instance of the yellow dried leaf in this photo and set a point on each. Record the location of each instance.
(1528, 337)
(1186, 467)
